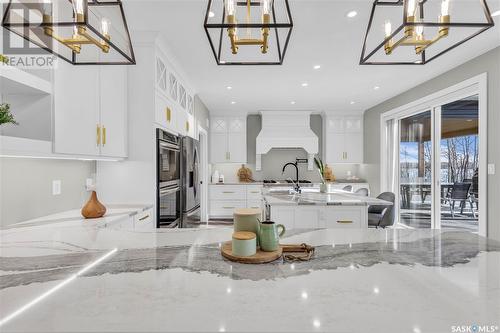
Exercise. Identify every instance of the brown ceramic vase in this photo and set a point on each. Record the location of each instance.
(93, 208)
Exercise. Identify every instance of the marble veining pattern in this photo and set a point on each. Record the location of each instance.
(87, 277)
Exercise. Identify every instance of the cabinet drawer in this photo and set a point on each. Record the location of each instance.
(340, 217)
(144, 220)
(225, 208)
(254, 192)
(254, 204)
(228, 192)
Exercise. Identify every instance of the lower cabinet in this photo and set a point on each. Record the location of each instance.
(141, 221)
(224, 199)
(306, 217)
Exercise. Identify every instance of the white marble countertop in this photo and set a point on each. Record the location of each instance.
(311, 196)
(67, 276)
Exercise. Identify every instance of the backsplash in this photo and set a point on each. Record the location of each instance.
(273, 163)
(26, 187)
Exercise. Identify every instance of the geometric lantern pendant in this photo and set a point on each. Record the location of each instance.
(248, 32)
(414, 32)
(82, 32)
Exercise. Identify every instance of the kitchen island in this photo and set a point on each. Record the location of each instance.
(312, 209)
(69, 276)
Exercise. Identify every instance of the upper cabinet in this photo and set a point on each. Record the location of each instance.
(343, 139)
(90, 110)
(174, 109)
(228, 139)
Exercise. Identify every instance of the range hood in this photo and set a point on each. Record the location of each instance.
(286, 130)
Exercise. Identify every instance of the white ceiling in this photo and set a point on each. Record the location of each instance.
(322, 35)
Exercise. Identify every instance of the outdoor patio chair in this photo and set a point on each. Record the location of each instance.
(459, 193)
(363, 192)
(347, 188)
(382, 216)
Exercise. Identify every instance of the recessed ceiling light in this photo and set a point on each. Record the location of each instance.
(229, 87)
(376, 88)
(352, 13)
(222, 62)
(317, 67)
(211, 14)
(233, 102)
(353, 102)
(496, 13)
(292, 102)
(305, 84)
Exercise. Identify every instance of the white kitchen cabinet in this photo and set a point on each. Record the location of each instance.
(113, 111)
(144, 220)
(90, 110)
(225, 198)
(319, 216)
(343, 139)
(165, 114)
(228, 143)
(308, 217)
(76, 109)
(218, 151)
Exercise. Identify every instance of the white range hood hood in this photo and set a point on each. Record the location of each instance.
(286, 130)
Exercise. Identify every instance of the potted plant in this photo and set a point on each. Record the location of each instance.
(321, 170)
(5, 116)
(4, 59)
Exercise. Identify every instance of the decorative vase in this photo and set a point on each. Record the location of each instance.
(93, 208)
(323, 188)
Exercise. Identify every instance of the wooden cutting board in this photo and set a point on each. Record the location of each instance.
(260, 257)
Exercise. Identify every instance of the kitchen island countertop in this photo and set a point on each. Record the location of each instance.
(69, 276)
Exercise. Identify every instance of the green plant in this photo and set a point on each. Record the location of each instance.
(4, 59)
(321, 168)
(5, 116)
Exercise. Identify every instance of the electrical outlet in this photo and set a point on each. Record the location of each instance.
(89, 184)
(491, 169)
(56, 187)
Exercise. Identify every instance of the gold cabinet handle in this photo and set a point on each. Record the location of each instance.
(229, 154)
(98, 138)
(254, 192)
(228, 207)
(187, 126)
(344, 221)
(144, 217)
(103, 135)
(227, 192)
(168, 114)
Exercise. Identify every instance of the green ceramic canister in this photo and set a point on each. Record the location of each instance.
(244, 244)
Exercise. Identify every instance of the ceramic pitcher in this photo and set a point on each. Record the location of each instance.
(269, 237)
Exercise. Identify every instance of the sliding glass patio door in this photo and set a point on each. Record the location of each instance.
(416, 144)
(434, 156)
(459, 164)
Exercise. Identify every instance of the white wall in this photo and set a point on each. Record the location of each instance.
(26, 187)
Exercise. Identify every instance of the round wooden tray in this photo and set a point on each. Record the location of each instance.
(260, 257)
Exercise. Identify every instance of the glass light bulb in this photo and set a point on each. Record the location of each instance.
(388, 28)
(47, 7)
(75, 32)
(78, 6)
(412, 6)
(266, 6)
(230, 8)
(105, 25)
(445, 6)
(420, 30)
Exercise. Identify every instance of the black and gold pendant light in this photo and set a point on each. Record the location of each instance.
(82, 32)
(428, 29)
(248, 32)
